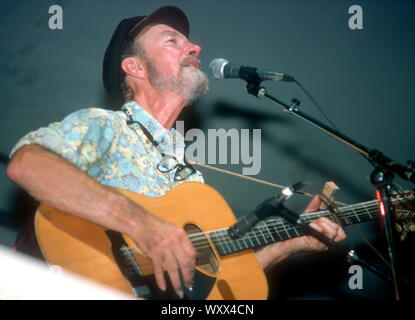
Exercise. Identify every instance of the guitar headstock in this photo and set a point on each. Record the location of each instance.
(404, 212)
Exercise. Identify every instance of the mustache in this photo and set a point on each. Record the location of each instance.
(188, 60)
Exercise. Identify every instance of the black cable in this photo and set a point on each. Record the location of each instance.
(322, 112)
(316, 104)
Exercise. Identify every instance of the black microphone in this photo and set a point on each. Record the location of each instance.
(222, 69)
(266, 209)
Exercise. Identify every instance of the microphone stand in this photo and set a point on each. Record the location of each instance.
(381, 177)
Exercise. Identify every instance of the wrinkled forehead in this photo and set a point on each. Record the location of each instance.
(157, 31)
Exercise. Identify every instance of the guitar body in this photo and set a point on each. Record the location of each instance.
(84, 248)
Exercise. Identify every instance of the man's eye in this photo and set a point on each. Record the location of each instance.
(172, 40)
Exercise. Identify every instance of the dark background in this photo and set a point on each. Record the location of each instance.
(363, 79)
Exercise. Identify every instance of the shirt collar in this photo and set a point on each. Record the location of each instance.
(170, 141)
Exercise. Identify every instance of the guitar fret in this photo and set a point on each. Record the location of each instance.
(266, 235)
(293, 232)
(223, 248)
(242, 243)
(285, 229)
(254, 240)
(236, 242)
(344, 221)
(269, 235)
(274, 229)
(250, 240)
(246, 241)
(231, 243)
(356, 219)
(368, 213)
(357, 216)
(259, 232)
(278, 232)
(261, 237)
(364, 215)
(255, 236)
(217, 237)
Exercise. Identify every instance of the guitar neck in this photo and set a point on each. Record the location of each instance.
(276, 229)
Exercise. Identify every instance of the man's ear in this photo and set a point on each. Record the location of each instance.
(133, 67)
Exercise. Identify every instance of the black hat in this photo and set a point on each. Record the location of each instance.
(126, 31)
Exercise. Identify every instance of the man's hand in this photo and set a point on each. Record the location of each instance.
(167, 244)
(323, 225)
(275, 253)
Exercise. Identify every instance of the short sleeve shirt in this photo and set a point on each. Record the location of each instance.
(102, 144)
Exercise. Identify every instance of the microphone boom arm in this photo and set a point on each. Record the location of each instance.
(373, 155)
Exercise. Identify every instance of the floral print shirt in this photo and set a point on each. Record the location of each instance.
(102, 144)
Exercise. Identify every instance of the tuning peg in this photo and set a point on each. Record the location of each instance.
(398, 227)
(404, 229)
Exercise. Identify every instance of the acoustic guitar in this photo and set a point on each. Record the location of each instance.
(226, 268)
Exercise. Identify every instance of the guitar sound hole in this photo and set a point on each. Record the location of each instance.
(206, 258)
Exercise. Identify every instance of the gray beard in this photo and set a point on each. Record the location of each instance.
(189, 84)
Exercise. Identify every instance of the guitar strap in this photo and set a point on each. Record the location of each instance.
(130, 121)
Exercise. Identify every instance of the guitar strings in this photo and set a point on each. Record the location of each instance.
(221, 239)
(278, 225)
(200, 239)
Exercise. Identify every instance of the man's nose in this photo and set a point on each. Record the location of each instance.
(193, 49)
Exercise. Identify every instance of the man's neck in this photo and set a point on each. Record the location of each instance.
(165, 108)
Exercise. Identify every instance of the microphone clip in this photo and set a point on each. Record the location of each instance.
(266, 209)
(254, 87)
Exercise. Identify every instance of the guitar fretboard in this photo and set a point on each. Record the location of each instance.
(276, 229)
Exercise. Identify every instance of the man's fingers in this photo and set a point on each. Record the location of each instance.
(173, 271)
(329, 229)
(159, 272)
(178, 256)
(186, 258)
(326, 227)
(332, 229)
(318, 245)
(341, 235)
(316, 226)
(170, 249)
(314, 204)
(185, 255)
